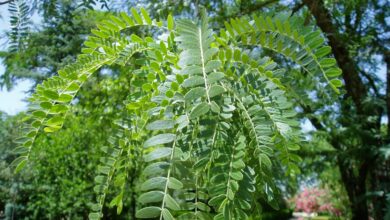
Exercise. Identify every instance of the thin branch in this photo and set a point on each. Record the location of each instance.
(297, 7)
(253, 8)
(6, 2)
(387, 61)
(309, 114)
(371, 82)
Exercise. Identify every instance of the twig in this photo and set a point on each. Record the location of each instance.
(6, 2)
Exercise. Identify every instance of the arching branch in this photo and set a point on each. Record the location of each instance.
(6, 2)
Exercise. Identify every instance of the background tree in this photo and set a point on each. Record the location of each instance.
(356, 32)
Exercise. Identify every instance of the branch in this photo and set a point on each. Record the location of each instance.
(309, 114)
(6, 2)
(297, 7)
(332, 139)
(387, 60)
(353, 83)
(253, 8)
(371, 82)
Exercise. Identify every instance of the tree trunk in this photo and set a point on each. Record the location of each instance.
(353, 83)
(387, 61)
(354, 178)
(356, 189)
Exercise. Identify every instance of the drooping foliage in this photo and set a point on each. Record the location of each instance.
(19, 22)
(206, 118)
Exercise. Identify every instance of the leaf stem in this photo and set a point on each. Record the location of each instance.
(203, 66)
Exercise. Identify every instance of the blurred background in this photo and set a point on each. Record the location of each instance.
(345, 170)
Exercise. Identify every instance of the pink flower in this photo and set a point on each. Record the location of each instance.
(315, 200)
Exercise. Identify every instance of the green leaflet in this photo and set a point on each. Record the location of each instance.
(148, 212)
(50, 94)
(93, 216)
(264, 159)
(195, 93)
(167, 215)
(336, 82)
(171, 203)
(182, 122)
(159, 139)
(18, 161)
(156, 168)
(146, 16)
(323, 51)
(199, 110)
(46, 105)
(20, 164)
(151, 197)
(158, 153)
(334, 72)
(193, 81)
(328, 62)
(212, 65)
(215, 77)
(20, 150)
(154, 183)
(161, 125)
(170, 22)
(216, 90)
(136, 16)
(174, 183)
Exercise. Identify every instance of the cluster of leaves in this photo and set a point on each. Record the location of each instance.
(60, 183)
(19, 20)
(47, 49)
(206, 118)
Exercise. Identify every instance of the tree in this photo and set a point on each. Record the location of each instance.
(204, 115)
(37, 55)
(357, 134)
(50, 190)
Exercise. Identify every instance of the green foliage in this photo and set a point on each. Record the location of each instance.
(19, 20)
(206, 120)
(283, 35)
(60, 183)
(48, 50)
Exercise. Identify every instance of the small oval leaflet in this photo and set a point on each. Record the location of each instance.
(264, 159)
(212, 65)
(50, 94)
(174, 183)
(199, 110)
(152, 196)
(159, 139)
(171, 203)
(193, 81)
(333, 72)
(170, 22)
(94, 216)
(195, 93)
(216, 90)
(336, 82)
(161, 125)
(215, 77)
(158, 154)
(167, 215)
(327, 62)
(154, 183)
(148, 212)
